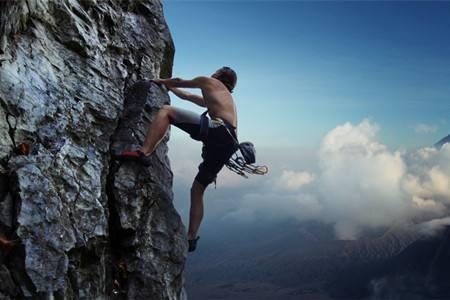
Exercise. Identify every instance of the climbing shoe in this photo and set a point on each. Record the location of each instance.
(138, 156)
(193, 244)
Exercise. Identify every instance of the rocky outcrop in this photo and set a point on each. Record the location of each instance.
(87, 227)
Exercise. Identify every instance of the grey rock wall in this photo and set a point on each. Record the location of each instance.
(73, 87)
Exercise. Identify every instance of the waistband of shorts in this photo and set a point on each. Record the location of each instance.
(220, 121)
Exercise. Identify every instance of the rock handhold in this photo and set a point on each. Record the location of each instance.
(150, 231)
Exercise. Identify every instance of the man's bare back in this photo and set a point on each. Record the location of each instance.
(219, 101)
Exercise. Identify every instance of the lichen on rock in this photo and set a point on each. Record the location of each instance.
(89, 228)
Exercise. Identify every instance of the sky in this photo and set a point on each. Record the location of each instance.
(342, 100)
(304, 67)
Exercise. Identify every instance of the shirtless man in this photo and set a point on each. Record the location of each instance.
(219, 144)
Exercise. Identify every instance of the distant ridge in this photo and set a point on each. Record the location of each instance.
(442, 142)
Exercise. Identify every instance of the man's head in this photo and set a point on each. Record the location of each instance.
(227, 76)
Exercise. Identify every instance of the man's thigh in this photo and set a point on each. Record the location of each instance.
(187, 121)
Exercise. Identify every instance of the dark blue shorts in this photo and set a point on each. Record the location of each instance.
(218, 145)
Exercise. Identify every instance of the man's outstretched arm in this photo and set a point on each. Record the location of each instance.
(188, 96)
(197, 82)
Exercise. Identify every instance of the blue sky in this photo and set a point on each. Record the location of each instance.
(306, 67)
(341, 100)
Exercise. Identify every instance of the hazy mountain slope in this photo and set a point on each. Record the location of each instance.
(443, 141)
(289, 258)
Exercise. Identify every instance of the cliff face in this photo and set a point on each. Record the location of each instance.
(72, 91)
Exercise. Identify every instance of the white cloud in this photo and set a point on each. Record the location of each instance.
(292, 180)
(359, 181)
(364, 184)
(433, 226)
(425, 128)
(274, 206)
(356, 183)
(346, 230)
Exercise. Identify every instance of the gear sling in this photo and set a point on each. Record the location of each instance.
(240, 164)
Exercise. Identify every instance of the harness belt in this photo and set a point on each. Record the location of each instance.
(237, 164)
(204, 127)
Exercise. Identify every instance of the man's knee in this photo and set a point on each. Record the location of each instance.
(168, 111)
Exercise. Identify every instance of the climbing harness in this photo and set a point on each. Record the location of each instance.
(204, 126)
(239, 163)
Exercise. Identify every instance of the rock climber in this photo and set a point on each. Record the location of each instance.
(218, 133)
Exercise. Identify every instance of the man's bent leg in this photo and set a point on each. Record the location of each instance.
(196, 211)
(167, 115)
(158, 129)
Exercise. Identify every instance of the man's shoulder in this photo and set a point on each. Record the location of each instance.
(203, 79)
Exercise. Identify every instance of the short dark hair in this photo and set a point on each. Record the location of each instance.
(228, 77)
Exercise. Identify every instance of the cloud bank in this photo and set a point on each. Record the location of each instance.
(355, 183)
